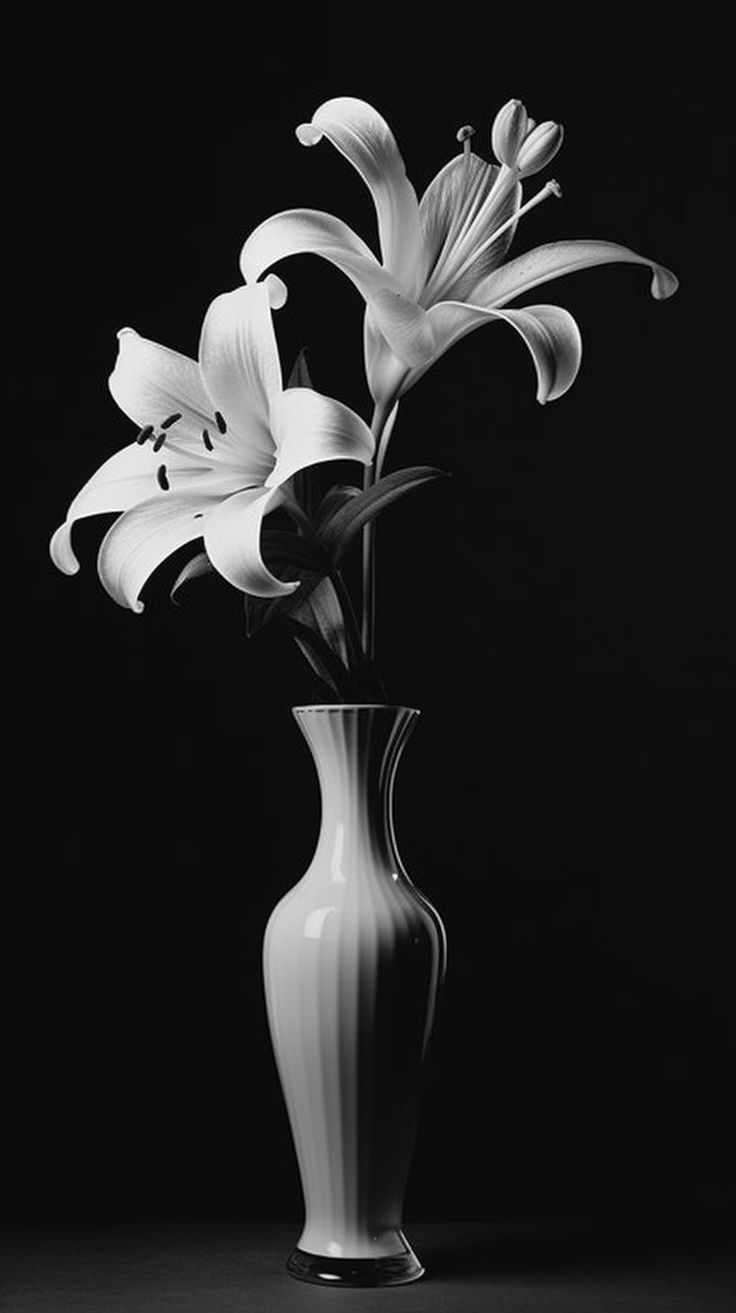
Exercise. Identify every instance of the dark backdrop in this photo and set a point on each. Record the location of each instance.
(558, 610)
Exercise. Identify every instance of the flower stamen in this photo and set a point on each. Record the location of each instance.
(162, 478)
(207, 440)
(160, 440)
(551, 188)
(144, 434)
(222, 426)
(166, 423)
(464, 135)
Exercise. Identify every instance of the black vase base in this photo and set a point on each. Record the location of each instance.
(321, 1270)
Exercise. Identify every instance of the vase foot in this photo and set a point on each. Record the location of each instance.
(321, 1270)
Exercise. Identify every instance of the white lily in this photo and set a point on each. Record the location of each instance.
(219, 439)
(441, 272)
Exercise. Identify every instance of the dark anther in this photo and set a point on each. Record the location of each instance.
(160, 440)
(144, 434)
(222, 426)
(198, 515)
(207, 440)
(161, 478)
(166, 423)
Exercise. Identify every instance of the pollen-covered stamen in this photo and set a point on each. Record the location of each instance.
(551, 188)
(207, 440)
(222, 426)
(162, 478)
(144, 434)
(159, 442)
(171, 419)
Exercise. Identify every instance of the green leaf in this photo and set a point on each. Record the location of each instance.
(341, 526)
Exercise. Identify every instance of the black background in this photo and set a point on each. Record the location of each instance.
(558, 609)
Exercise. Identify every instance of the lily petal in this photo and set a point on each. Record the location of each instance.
(240, 366)
(232, 538)
(363, 136)
(406, 327)
(460, 209)
(309, 428)
(557, 258)
(150, 382)
(142, 538)
(313, 232)
(386, 374)
(550, 333)
(127, 478)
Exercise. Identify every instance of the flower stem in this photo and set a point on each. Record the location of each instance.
(360, 662)
(371, 473)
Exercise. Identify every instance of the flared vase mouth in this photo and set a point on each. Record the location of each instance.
(336, 708)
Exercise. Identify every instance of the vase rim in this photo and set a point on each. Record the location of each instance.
(355, 706)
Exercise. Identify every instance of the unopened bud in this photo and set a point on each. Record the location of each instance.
(540, 147)
(510, 127)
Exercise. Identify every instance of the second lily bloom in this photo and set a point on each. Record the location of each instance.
(443, 268)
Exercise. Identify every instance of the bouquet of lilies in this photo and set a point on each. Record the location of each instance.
(225, 456)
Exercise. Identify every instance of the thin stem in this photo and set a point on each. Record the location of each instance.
(371, 473)
(359, 662)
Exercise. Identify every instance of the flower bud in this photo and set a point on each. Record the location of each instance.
(540, 147)
(510, 127)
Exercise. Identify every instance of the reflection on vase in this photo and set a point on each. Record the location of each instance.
(353, 958)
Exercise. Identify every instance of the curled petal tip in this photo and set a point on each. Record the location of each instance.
(60, 549)
(277, 291)
(664, 283)
(308, 134)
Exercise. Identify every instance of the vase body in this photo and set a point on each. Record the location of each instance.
(354, 956)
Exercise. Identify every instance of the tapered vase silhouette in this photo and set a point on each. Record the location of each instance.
(354, 956)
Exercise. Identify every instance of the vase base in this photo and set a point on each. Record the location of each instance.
(321, 1270)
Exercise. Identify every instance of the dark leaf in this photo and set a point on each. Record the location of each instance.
(283, 550)
(322, 677)
(333, 500)
(339, 530)
(199, 566)
(322, 659)
(299, 376)
(320, 611)
(256, 613)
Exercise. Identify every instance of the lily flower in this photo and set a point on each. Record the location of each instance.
(442, 270)
(219, 439)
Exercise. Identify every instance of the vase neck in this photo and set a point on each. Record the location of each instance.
(356, 750)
